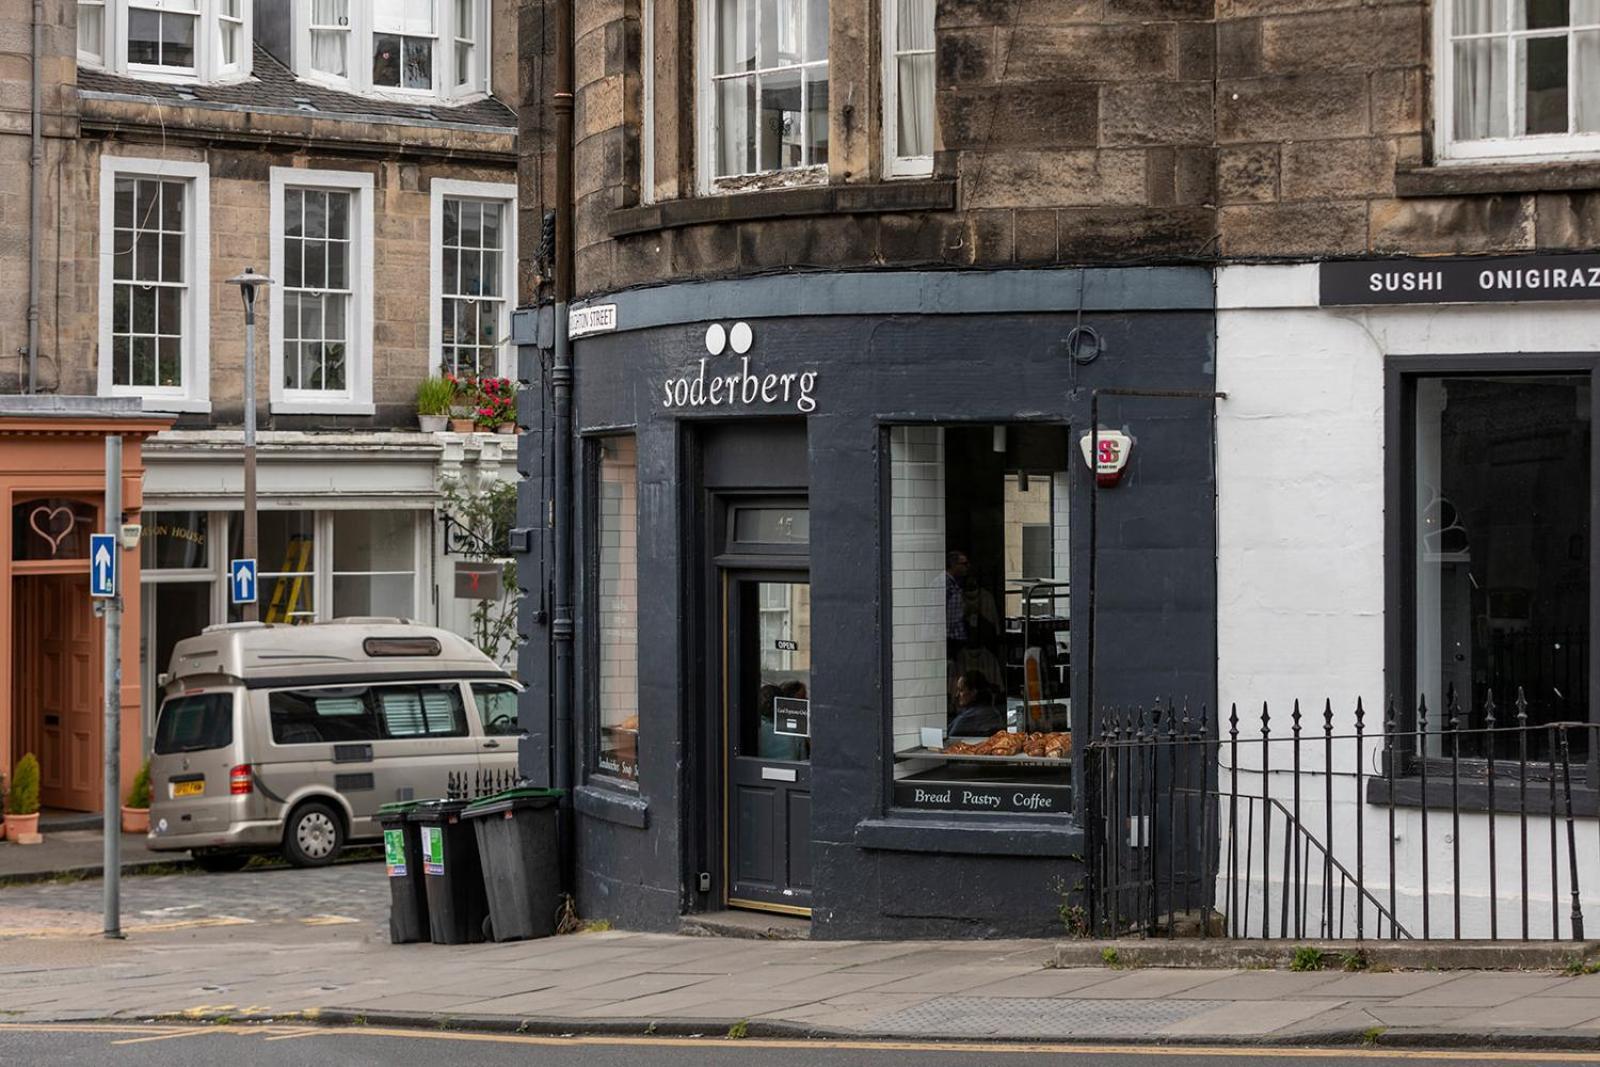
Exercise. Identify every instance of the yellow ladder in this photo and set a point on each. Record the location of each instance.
(291, 580)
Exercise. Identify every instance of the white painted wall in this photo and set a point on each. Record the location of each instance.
(917, 550)
(1300, 501)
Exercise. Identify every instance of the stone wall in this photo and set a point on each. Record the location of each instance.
(1069, 131)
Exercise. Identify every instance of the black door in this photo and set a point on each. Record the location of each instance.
(767, 697)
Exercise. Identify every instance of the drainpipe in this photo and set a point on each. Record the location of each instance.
(35, 198)
(563, 625)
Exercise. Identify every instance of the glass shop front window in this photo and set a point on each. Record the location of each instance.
(981, 617)
(1500, 550)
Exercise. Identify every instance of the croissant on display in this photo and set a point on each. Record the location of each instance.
(1004, 743)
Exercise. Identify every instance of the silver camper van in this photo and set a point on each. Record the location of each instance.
(277, 737)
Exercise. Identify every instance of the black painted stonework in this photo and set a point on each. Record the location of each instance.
(879, 870)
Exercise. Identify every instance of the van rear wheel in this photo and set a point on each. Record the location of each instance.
(313, 835)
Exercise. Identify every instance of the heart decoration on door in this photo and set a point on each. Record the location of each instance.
(57, 523)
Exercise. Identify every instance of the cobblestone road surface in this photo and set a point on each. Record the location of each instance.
(344, 894)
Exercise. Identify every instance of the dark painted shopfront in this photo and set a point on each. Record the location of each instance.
(839, 575)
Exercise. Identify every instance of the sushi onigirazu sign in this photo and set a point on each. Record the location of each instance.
(724, 378)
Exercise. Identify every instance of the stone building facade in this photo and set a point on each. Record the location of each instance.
(992, 231)
(340, 149)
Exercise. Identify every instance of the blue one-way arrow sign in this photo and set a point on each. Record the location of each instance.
(102, 566)
(242, 581)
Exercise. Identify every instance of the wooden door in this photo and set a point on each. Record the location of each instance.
(768, 635)
(57, 703)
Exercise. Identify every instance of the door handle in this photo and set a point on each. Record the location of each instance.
(491, 744)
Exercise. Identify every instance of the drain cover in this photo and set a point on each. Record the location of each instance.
(1040, 1016)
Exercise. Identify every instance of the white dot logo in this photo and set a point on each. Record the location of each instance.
(716, 339)
(740, 337)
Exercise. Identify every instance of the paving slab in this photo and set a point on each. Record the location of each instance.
(1260, 985)
(1479, 991)
(1392, 986)
(1045, 983)
(954, 979)
(1151, 985)
(1250, 1018)
(1538, 1013)
(1414, 1018)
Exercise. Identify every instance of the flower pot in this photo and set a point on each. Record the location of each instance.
(462, 425)
(506, 428)
(23, 829)
(135, 820)
(433, 423)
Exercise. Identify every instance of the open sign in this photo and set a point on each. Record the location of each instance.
(1106, 453)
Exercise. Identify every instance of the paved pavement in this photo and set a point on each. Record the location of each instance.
(293, 943)
(280, 1045)
(76, 851)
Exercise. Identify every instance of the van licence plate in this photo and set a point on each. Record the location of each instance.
(188, 789)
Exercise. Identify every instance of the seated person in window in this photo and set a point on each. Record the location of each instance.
(976, 714)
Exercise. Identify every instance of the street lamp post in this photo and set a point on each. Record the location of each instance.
(248, 283)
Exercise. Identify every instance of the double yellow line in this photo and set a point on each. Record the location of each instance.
(140, 1033)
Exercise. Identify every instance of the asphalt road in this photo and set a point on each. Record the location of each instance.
(271, 1045)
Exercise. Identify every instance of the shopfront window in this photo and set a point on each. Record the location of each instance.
(1500, 543)
(175, 541)
(286, 562)
(374, 563)
(981, 617)
(617, 598)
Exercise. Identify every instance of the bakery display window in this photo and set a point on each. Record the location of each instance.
(616, 586)
(981, 617)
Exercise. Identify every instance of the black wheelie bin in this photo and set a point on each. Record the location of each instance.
(518, 842)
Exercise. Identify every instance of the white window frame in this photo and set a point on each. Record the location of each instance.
(506, 192)
(195, 393)
(894, 164)
(107, 33)
(707, 130)
(359, 56)
(356, 397)
(1524, 148)
(208, 65)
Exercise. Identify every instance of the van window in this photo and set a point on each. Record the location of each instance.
(497, 708)
(195, 723)
(422, 711)
(322, 716)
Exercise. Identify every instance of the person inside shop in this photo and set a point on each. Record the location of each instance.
(976, 713)
(769, 743)
(956, 633)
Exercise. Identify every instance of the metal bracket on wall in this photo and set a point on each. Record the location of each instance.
(460, 540)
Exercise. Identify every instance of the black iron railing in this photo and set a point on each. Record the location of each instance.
(1288, 827)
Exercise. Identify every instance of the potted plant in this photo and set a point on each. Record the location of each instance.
(434, 397)
(497, 409)
(136, 810)
(22, 803)
(463, 402)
